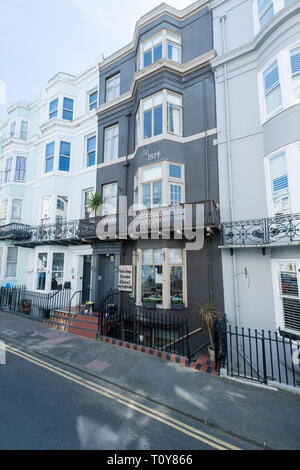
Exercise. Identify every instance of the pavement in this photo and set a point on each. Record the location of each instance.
(257, 415)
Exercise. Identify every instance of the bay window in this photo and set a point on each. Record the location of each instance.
(159, 185)
(159, 114)
(164, 44)
(295, 66)
(160, 275)
(110, 194)
(111, 143)
(272, 88)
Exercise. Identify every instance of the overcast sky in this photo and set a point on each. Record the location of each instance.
(39, 38)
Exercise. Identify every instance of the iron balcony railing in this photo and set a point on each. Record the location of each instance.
(279, 230)
(155, 216)
(60, 232)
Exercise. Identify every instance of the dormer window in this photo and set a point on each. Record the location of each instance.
(165, 45)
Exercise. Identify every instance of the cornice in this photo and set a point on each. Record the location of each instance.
(151, 16)
(161, 65)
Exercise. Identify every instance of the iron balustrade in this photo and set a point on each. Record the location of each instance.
(263, 356)
(279, 230)
(60, 232)
(36, 305)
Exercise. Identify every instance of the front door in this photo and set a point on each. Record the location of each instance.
(86, 278)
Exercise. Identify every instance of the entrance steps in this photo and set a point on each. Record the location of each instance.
(76, 323)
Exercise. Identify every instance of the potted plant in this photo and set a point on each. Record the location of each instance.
(89, 307)
(94, 203)
(149, 302)
(131, 299)
(208, 314)
(177, 304)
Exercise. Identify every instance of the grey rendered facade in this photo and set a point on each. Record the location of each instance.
(258, 116)
(191, 151)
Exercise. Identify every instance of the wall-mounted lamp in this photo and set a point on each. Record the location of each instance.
(111, 258)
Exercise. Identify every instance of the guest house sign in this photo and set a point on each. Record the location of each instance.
(125, 278)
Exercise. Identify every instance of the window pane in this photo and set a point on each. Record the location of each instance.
(65, 149)
(175, 256)
(147, 195)
(91, 144)
(152, 282)
(175, 171)
(157, 194)
(175, 194)
(271, 76)
(147, 124)
(68, 104)
(147, 256)
(64, 164)
(57, 271)
(148, 58)
(176, 284)
(174, 119)
(68, 115)
(273, 100)
(50, 149)
(158, 256)
(157, 53)
(152, 173)
(49, 164)
(278, 170)
(158, 120)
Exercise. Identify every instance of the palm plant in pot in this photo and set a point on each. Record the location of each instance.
(94, 203)
(208, 315)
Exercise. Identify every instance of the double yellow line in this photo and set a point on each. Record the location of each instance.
(143, 409)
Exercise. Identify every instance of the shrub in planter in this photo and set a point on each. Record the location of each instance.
(149, 302)
(177, 304)
(131, 299)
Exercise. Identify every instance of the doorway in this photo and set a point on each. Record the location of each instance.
(86, 278)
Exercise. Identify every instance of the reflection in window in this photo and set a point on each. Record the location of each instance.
(57, 271)
(152, 274)
(41, 271)
(68, 105)
(64, 156)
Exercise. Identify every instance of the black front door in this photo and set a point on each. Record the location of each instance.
(86, 278)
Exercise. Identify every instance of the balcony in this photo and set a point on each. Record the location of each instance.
(281, 230)
(62, 233)
(154, 219)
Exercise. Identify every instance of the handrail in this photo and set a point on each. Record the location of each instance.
(75, 293)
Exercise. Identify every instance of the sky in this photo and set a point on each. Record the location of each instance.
(39, 38)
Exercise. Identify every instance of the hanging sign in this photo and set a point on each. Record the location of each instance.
(125, 278)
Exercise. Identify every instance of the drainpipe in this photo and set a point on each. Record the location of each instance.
(229, 167)
(207, 191)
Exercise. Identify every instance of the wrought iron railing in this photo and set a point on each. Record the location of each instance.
(154, 218)
(36, 305)
(279, 230)
(58, 232)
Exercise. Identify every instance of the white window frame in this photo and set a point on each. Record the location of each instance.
(14, 262)
(50, 252)
(84, 206)
(113, 87)
(13, 219)
(8, 172)
(166, 180)
(104, 208)
(109, 142)
(174, 38)
(88, 99)
(292, 153)
(279, 313)
(139, 117)
(166, 284)
(16, 180)
(277, 6)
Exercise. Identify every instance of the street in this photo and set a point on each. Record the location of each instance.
(45, 405)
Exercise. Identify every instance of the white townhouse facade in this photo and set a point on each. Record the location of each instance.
(48, 172)
(257, 72)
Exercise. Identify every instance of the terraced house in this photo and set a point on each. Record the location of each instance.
(257, 72)
(157, 146)
(48, 171)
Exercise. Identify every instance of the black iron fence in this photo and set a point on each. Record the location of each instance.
(37, 305)
(281, 229)
(263, 356)
(167, 333)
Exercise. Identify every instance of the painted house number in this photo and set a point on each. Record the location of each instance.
(151, 156)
